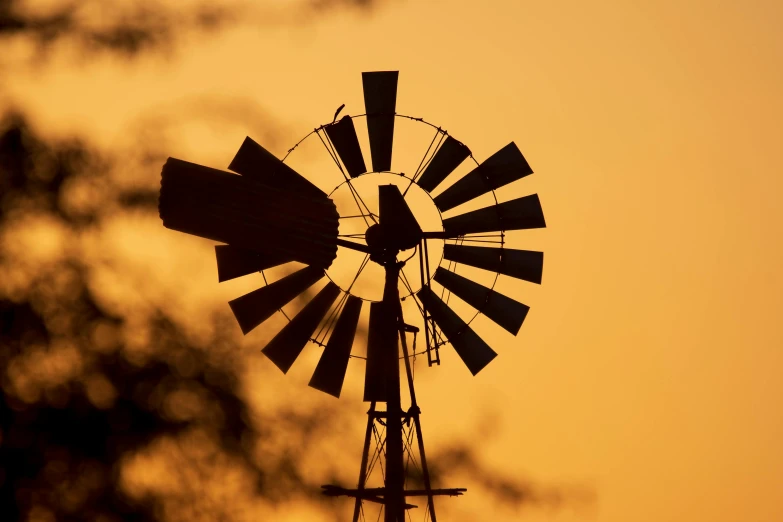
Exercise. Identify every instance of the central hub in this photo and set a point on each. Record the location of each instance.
(393, 237)
(377, 238)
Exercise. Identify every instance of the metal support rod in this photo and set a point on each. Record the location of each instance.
(353, 245)
(415, 414)
(425, 282)
(365, 456)
(337, 491)
(428, 322)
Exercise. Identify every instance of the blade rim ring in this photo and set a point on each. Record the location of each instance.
(496, 205)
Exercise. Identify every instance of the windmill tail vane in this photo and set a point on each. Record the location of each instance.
(265, 214)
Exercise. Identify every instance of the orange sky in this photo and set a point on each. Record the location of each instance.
(649, 367)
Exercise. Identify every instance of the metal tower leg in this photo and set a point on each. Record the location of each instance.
(394, 496)
(415, 411)
(365, 456)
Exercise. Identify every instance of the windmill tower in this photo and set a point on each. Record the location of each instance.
(269, 215)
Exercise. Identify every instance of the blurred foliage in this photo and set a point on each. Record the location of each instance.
(124, 28)
(131, 28)
(87, 393)
(461, 460)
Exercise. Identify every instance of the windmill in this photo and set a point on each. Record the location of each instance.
(266, 214)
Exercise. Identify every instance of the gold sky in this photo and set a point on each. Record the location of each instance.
(650, 366)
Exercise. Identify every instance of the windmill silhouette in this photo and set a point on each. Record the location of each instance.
(269, 215)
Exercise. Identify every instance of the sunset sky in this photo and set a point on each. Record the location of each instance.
(649, 371)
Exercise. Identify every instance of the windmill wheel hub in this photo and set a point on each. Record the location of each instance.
(378, 239)
(385, 247)
(382, 238)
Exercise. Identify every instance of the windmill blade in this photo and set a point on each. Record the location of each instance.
(255, 161)
(256, 307)
(380, 104)
(286, 346)
(506, 165)
(382, 351)
(517, 214)
(330, 372)
(398, 221)
(520, 264)
(243, 212)
(448, 157)
(346, 143)
(473, 351)
(503, 310)
(233, 262)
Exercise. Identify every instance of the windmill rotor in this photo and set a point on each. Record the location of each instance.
(265, 214)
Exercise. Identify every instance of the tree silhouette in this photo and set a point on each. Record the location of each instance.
(78, 400)
(130, 29)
